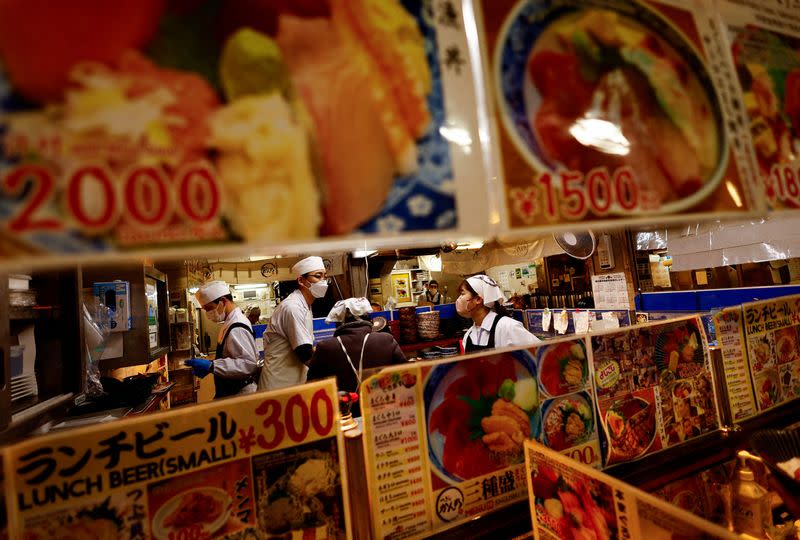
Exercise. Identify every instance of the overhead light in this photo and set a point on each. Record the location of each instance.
(600, 134)
(250, 286)
(194, 290)
(470, 245)
(361, 253)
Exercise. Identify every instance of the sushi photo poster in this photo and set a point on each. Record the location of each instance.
(568, 498)
(268, 464)
(611, 111)
(225, 124)
(764, 44)
(771, 332)
(444, 441)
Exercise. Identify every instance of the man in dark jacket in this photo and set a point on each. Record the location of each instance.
(353, 348)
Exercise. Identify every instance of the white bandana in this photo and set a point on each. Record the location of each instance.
(487, 289)
(309, 264)
(211, 291)
(356, 306)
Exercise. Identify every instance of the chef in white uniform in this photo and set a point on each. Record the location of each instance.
(289, 341)
(236, 365)
(481, 300)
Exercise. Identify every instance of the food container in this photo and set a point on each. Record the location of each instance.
(23, 298)
(181, 315)
(408, 324)
(19, 282)
(428, 325)
(15, 361)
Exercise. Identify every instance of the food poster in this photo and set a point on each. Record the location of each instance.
(571, 500)
(569, 422)
(212, 123)
(654, 387)
(401, 287)
(729, 324)
(267, 465)
(609, 110)
(764, 41)
(771, 330)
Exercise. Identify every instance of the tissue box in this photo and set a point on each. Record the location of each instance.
(115, 295)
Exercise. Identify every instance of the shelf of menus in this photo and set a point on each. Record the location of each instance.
(267, 463)
(92, 163)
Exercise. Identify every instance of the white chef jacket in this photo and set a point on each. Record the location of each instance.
(509, 333)
(290, 326)
(240, 356)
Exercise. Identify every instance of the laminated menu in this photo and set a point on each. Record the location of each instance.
(266, 465)
(444, 441)
(654, 387)
(157, 125)
(570, 500)
(764, 44)
(729, 324)
(610, 110)
(771, 332)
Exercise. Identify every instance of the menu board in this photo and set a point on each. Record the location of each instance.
(654, 387)
(771, 330)
(216, 124)
(729, 325)
(570, 500)
(764, 41)
(610, 291)
(443, 441)
(611, 110)
(267, 464)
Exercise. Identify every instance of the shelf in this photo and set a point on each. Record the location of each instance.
(29, 313)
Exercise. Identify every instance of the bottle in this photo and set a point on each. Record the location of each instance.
(751, 508)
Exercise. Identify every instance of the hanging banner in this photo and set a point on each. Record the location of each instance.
(610, 110)
(654, 387)
(764, 41)
(269, 464)
(771, 329)
(729, 324)
(569, 500)
(443, 441)
(222, 124)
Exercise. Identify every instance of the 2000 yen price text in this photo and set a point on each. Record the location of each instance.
(94, 199)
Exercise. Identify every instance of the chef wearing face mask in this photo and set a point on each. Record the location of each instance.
(480, 299)
(236, 365)
(289, 342)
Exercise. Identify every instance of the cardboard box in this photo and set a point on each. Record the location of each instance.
(115, 295)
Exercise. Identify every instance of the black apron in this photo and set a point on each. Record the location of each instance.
(230, 387)
(471, 347)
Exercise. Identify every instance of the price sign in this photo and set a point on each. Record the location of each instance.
(198, 472)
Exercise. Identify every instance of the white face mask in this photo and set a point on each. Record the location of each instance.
(462, 306)
(318, 289)
(217, 315)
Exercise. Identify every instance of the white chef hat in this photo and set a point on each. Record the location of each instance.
(211, 291)
(309, 264)
(487, 289)
(356, 306)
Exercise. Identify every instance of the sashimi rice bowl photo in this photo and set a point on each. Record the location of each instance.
(479, 413)
(582, 87)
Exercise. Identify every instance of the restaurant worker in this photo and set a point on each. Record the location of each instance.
(289, 341)
(236, 365)
(432, 294)
(353, 347)
(480, 299)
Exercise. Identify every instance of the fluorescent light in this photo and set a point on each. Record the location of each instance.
(361, 253)
(470, 245)
(250, 286)
(194, 290)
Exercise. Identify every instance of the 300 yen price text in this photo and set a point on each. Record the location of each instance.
(94, 199)
(295, 420)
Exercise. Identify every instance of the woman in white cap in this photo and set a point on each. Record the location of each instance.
(480, 299)
(289, 342)
(353, 348)
(236, 365)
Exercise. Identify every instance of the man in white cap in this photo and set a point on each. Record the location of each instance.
(481, 300)
(236, 365)
(289, 342)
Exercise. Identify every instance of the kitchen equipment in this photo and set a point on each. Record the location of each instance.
(408, 324)
(428, 325)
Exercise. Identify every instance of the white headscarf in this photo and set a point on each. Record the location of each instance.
(211, 291)
(487, 289)
(356, 306)
(309, 264)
